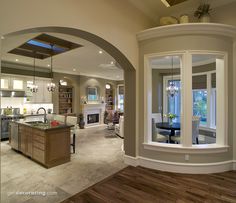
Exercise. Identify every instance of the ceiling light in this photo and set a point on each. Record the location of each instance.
(17, 59)
(2, 37)
(172, 89)
(33, 87)
(108, 86)
(74, 69)
(100, 52)
(48, 65)
(112, 62)
(51, 87)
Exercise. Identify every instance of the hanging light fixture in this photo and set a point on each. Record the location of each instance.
(33, 87)
(51, 86)
(172, 90)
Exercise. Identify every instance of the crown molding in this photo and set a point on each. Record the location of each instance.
(216, 29)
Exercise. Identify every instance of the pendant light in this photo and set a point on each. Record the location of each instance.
(172, 90)
(51, 86)
(34, 87)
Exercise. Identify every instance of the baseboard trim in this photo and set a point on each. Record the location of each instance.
(189, 168)
(130, 160)
(234, 165)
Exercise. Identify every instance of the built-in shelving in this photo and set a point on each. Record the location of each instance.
(65, 99)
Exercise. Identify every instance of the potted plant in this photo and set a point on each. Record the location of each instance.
(203, 13)
(81, 121)
(171, 116)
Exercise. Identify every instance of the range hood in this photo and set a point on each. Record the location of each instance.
(12, 93)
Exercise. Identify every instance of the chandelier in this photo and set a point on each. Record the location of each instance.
(33, 87)
(172, 90)
(51, 86)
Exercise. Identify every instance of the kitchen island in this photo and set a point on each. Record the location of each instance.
(46, 144)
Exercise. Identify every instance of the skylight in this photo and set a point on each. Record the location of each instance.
(45, 45)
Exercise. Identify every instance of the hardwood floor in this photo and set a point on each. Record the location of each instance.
(137, 184)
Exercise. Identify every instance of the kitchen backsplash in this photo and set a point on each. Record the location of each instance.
(21, 103)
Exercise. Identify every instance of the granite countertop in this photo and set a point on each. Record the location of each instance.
(42, 126)
(40, 114)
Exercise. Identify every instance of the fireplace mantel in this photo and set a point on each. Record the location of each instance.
(93, 108)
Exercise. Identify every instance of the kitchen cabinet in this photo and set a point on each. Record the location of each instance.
(25, 137)
(43, 95)
(12, 83)
(48, 147)
(5, 83)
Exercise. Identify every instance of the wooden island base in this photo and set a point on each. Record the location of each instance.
(49, 147)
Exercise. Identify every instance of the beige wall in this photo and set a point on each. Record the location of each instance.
(225, 14)
(104, 18)
(179, 43)
(80, 84)
(86, 81)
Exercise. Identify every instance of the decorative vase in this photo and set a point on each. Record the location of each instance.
(81, 124)
(183, 19)
(170, 121)
(205, 18)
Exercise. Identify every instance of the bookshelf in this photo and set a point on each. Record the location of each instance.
(65, 99)
(109, 99)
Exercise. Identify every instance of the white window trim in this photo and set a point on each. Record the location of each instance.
(186, 101)
(118, 102)
(210, 105)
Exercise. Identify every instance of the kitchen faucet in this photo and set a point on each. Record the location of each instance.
(45, 119)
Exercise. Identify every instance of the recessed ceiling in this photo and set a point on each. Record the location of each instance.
(85, 60)
(44, 46)
(169, 3)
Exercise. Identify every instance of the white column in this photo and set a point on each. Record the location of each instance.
(221, 101)
(209, 102)
(147, 100)
(186, 100)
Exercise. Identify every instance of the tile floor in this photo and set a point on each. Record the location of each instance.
(98, 155)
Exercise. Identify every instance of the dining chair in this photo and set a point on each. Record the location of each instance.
(72, 120)
(119, 128)
(158, 119)
(156, 136)
(195, 131)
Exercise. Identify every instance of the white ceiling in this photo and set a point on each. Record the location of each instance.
(155, 9)
(85, 60)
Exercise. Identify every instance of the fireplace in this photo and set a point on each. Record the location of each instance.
(92, 118)
(93, 114)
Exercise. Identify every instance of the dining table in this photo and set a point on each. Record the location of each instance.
(172, 127)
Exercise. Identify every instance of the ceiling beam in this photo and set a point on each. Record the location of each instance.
(169, 3)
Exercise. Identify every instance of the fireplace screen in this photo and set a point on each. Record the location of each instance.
(93, 118)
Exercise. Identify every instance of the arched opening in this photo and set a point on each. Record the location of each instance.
(92, 164)
(122, 61)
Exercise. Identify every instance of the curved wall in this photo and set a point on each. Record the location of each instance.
(178, 43)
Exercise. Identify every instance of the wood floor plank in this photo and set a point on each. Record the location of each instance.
(142, 185)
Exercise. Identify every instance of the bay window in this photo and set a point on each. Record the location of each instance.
(199, 105)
